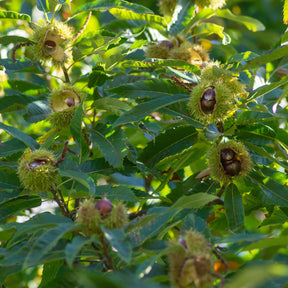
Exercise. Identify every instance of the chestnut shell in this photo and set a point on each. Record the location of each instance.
(104, 206)
(208, 100)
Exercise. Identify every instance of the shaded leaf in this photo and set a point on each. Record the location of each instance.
(8, 39)
(20, 135)
(15, 205)
(171, 142)
(11, 147)
(119, 241)
(197, 200)
(144, 109)
(113, 147)
(80, 177)
(234, 209)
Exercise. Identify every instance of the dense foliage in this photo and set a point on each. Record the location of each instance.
(143, 143)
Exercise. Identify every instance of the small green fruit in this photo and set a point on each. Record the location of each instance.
(37, 171)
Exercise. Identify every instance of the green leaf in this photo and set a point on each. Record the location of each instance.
(206, 29)
(119, 241)
(267, 88)
(242, 57)
(80, 177)
(19, 135)
(50, 271)
(76, 131)
(154, 88)
(15, 205)
(267, 243)
(125, 14)
(13, 39)
(11, 147)
(197, 200)
(275, 193)
(144, 109)
(14, 15)
(46, 242)
(150, 226)
(72, 249)
(285, 12)
(203, 15)
(162, 63)
(14, 102)
(112, 147)
(111, 104)
(10, 65)
(172, 142)
(116, 193)
(108, 4)
(234, 209)
(184, 11)
(251, 23)
(266, 58)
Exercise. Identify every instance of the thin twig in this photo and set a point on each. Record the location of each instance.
(19, 46)
(67, 79)
(83, 27)
(63, 154)
(106, 252)
(221, 259)
(57, 200)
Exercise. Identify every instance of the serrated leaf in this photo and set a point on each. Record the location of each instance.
(150, 226)
(197, 200)
(46, 242)
(108, 4)
(72, 249)
(242, 57)
(14, 15)
(172, 142)
(76, 131)
(11, 147)
(13, 39)
(234, 209)
(162, 63)
(266, 58)
(113, 147)
(111, 104)
(250, 23)
(14, 102)
(266, 243)
(274, 191)
(50, 271)
(12, 66)
(267, 88)
(38, 111)
(125, 14)
(154, 88)
(14, 205)
(80, 177)
(183, 12)
(116, 193)
(119, 241)
(19, 135)
(144, 109)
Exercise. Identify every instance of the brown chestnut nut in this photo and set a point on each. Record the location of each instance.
(50, 46)
(70, 101)
(36, 163)
(227, 154)
(104, 206)
(233, 168)
(166, 43)
(208, 100)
